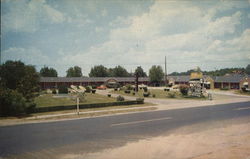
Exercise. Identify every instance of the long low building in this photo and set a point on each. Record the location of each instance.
(227, 81)
(54, 82)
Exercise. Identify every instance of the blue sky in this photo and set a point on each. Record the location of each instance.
(63, 33)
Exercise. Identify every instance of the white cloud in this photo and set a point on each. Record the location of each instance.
(104, 13)
(98, 29)
(165, 30)
(27, 16)
(28, 55)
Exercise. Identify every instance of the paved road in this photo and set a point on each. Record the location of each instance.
(94, 134)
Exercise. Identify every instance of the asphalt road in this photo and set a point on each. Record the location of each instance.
(94, 134)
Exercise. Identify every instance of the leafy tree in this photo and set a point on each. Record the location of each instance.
(19, 83)
(140, 72)
(156, 74)
(48, 72)
(16, 75)
(119, 71)
(99, 71)
(75, 71)
(11, 72)
(12, 103)
(248, 69)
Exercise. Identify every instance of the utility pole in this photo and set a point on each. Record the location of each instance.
(165, 76)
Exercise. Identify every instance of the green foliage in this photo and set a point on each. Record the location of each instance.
(120, 98)
(153, 95)
(75, 71)
(129, 87)
(62, 89)
(98, 71)
(184, 89)
(127, 91)
(146, 94)
(248, 69)
(54, 91)
(156, 74)
(12, 103)
(88, 89)
(140, 99)
(220, 72)
(224, 89)
(109, 95)
(140, 72)
(118, 71)
(16, 75)
(48, 72)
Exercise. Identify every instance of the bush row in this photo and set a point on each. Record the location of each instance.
(84, 106)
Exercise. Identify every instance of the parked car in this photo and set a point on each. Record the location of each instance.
(102, 87)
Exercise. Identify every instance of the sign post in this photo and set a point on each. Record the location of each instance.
(77, 105)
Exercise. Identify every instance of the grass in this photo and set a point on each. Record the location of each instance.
(158, 94)
(97, 109)
(242, 93)
(4, 121)
(45, 100)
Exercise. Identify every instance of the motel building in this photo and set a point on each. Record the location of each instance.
(54, 82)
(234, 81)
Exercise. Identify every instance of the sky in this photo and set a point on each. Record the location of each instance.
(211, 34)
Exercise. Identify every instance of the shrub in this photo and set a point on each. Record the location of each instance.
(166, 89)
(140, 99)
(171, 95)
(62, 89)
(224, 89)
(243, 89)
(109, 95)
(133, 93)
(129, 87)
(146, 94)
(127, 91)
(93, 91)
(145, 89)
(88, 89)
(184, 89)
(13, 103)
(54, 91)
(116, 89)
(153, 95)
(94, 86)
(120, 98)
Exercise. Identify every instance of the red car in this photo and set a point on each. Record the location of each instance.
(102, 87)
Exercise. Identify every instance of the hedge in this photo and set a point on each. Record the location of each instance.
(85, 106)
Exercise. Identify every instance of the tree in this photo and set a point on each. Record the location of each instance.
(12, 103)
(119, 71)
(48, 72)
(19, 84)
(16, 75)
(156, 74)
(75, 71)
(140, 72)
(248, 69)
(98, 71)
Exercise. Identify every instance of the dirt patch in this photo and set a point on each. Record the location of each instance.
(232, 141)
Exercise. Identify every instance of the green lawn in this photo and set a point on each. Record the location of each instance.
(242, 93)
(45, 100)
(157, 92)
